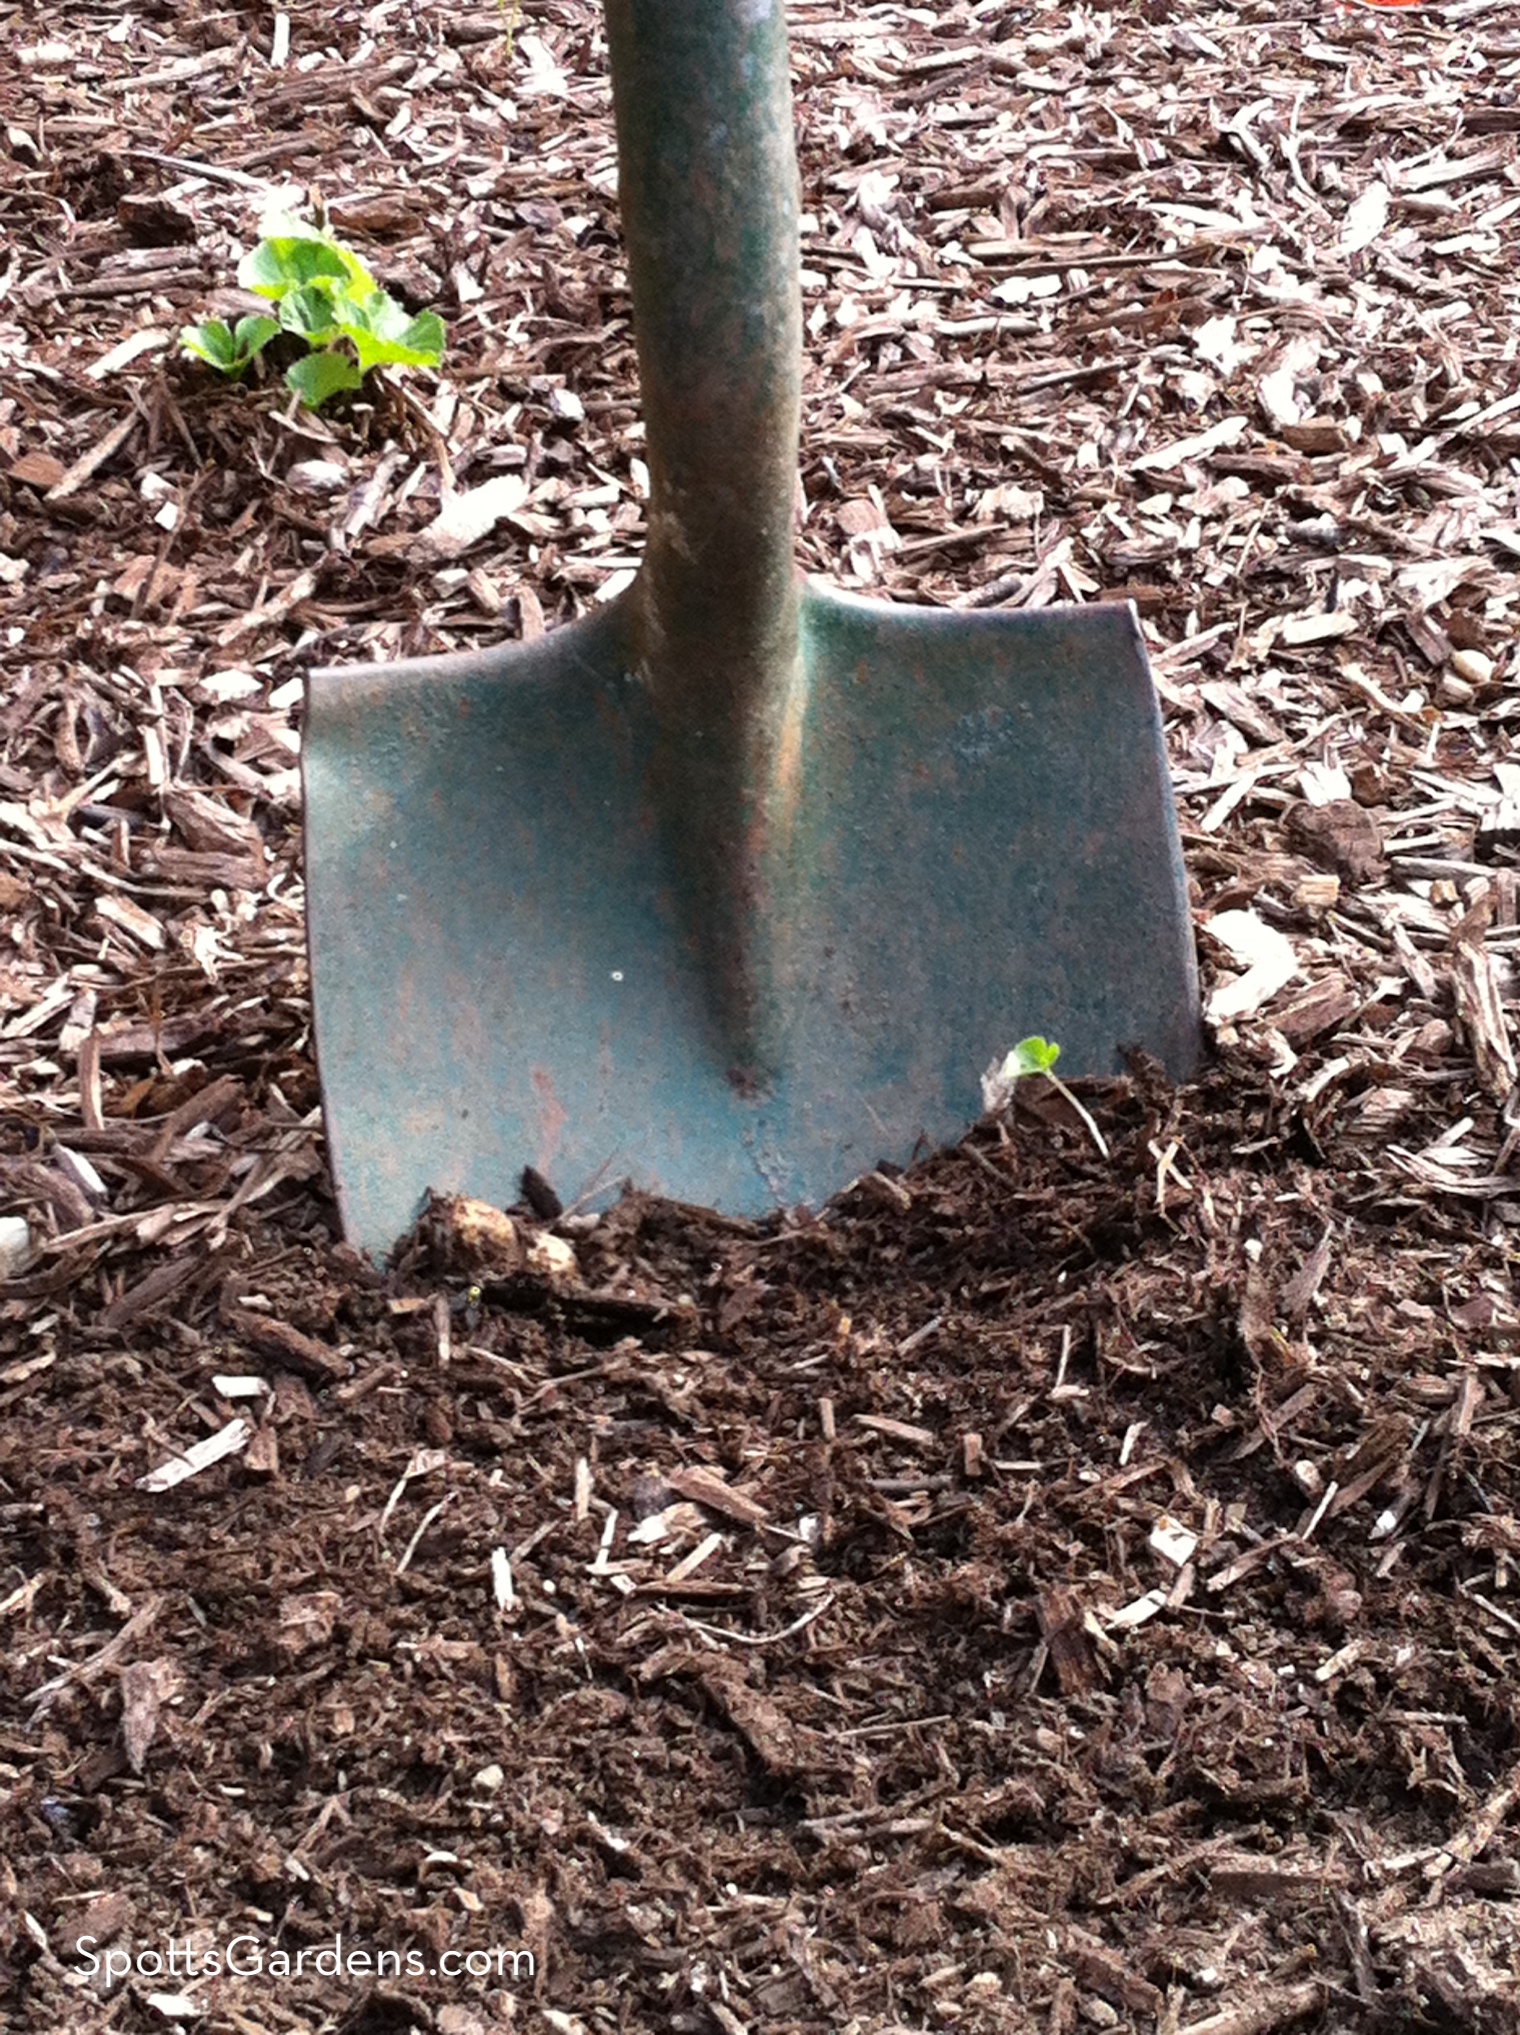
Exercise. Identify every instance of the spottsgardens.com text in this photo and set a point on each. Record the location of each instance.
(250, 1957)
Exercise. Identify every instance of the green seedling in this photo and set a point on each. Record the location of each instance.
(322, 293)
(229, 348)
(511, 14)
(1032, 1056)
(308, 312)
(321, 375)
(291, 256)
(382, 334)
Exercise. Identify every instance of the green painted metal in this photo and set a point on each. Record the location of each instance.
(735, 886)
(707, 183)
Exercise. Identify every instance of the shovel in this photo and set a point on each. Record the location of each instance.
(732, 887)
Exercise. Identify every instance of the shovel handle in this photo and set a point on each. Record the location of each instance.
(707, 177)
(709, 199)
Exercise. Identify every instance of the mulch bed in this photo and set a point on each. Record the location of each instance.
(1052, 1587)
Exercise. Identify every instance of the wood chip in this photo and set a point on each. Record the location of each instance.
(707, 1487)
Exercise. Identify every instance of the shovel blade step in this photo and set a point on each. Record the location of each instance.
(984, 845)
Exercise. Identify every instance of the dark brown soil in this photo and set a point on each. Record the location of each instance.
(1052, 1588)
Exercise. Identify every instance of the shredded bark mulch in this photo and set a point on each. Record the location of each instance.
(1070, 1583)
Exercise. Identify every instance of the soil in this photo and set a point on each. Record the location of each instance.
(1068, 1583)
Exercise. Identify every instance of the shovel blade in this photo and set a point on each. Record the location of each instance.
(982, 845)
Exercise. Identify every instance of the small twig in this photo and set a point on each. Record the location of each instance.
(422, 1526)
(1259, 2016)
(192, 168)
(1478, 1832)
(86, 1671)
(969, 1151)
(760, 1638)
(919, 1335)
(1354, 1929)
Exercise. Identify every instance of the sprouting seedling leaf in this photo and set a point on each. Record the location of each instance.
(253, 334)
(1033, 1055)
(1030, 1056)
(310, 313)
(276, 267)
(228, 350)
(212, 342)
(384, 336)
(321, 375)
(323, 294)
(282, 226)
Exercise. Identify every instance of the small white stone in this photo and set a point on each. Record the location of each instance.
(222, 687)
(317, 476)
(489, 1780)
(551, 1257)
(1472, 665)
(16, 1252)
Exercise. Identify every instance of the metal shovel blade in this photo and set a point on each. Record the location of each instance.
(504, 975)
(734, 887)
